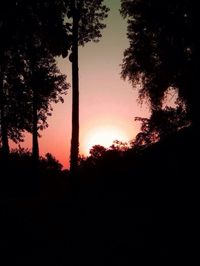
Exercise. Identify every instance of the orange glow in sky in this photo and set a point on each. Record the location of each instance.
(103, 136)
(108, 104)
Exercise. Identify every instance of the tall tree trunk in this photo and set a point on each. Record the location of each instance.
(35, 145)
(4, 126)
(75, 96)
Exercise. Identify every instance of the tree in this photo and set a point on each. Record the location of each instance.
(163, 50)
(97, 151)
(45, 84)
(87, 16)
(26, 27)
(7, 11)
(119, 146)
(11, 67)
(162, 123)
(12, 118)
(51, 163)
(43, 30)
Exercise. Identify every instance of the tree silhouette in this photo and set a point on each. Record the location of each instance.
(163, 50)
(3, 115)
(97, 151)
(45, 84)
(28, 30)
(6, 33)
(44, 79)
(162, 123)
(13, 102)
(119, 146)
(87, 16)
(11, 83)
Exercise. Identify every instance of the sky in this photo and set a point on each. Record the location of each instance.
(108, 104)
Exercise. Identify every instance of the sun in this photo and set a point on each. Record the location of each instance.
(102, 136)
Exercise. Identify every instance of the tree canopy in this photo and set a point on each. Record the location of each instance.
(163, 50)
(90, 14)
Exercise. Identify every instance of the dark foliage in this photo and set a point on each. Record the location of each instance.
(163, 50)
(32, 34)
(161, 124)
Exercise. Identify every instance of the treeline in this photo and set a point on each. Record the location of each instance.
(162, 60)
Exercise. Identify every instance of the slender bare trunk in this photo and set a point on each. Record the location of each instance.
(75, 96)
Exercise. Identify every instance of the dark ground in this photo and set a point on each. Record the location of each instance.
(137, 210)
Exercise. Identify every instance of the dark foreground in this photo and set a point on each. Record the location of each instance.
(137, 210)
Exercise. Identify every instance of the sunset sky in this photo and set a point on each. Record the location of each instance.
(108, 104)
